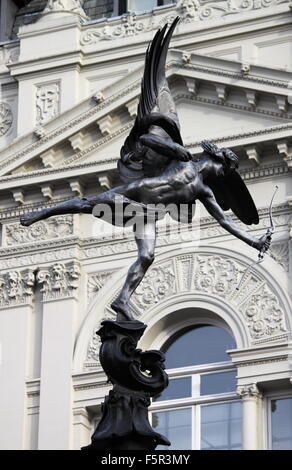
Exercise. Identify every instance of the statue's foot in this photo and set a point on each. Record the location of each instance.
(122, 310)
(31, 218)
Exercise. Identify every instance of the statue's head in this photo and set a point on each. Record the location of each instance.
(188, 8)
(222, 155)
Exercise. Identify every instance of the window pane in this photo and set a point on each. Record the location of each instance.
(282, 424)
(176, 425)
(177, 388)
(221, 382)
(201, 345)
(139, 6)
(221, 426)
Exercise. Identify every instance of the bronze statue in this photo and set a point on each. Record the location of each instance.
(158, 169)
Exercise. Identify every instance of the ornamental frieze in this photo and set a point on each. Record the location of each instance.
(189, 11)
(57, 227)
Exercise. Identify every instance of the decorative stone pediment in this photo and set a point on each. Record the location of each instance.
(95, 130)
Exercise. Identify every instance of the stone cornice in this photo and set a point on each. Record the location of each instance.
(262, 135)
(267, 134)
(219, 72)
(240, 107)
(56, 250)
(85, 112)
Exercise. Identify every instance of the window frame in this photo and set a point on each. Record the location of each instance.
(269, 396)
(121, 7)
(195, 402)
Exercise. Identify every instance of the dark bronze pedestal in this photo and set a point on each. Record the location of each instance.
(136, 376)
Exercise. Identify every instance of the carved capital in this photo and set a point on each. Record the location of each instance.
(248, 391)
(59, 280)
(16, 288)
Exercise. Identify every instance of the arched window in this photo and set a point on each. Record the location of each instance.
(199, 409)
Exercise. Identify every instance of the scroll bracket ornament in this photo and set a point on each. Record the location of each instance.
(136, 376)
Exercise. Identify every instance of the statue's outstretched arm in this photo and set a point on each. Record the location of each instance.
(215, 210)
(166, 147)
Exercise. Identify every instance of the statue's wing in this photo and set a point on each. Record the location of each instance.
(156, 108)
(231, 192)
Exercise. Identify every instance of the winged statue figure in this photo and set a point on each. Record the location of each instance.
(156, 168)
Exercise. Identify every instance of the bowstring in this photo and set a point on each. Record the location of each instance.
(263, 251)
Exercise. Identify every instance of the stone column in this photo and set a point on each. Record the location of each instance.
(59, 287)
(16, 293)
(251, 419)
(82, 428)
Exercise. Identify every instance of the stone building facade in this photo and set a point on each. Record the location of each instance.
(70, 75)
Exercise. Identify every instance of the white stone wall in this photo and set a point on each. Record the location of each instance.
(73, 89)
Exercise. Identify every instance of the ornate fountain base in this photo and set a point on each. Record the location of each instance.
(136, 376)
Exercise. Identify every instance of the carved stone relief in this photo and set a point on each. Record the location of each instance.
(189, 11)
(280, 253)
(95, 282)
(16, 287)
(64, 5)
(57, 227)
(47, 102)
(214, 275)
(92, 356)
(217, 276)
(248, 391)
(6, 118)
(158, 283)
(59, 280)
(263, 314)
(9, 55)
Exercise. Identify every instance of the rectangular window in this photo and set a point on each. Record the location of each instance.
(221, 426)
(220, 382)
(138, 6)
(176, 425)
(281, 411)
(177, 388)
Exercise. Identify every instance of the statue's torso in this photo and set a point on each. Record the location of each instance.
(179, 183)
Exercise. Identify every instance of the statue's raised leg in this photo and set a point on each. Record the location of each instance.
(80, 206)
(145, 237)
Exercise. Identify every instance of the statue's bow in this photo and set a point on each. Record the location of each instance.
(270, 231)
